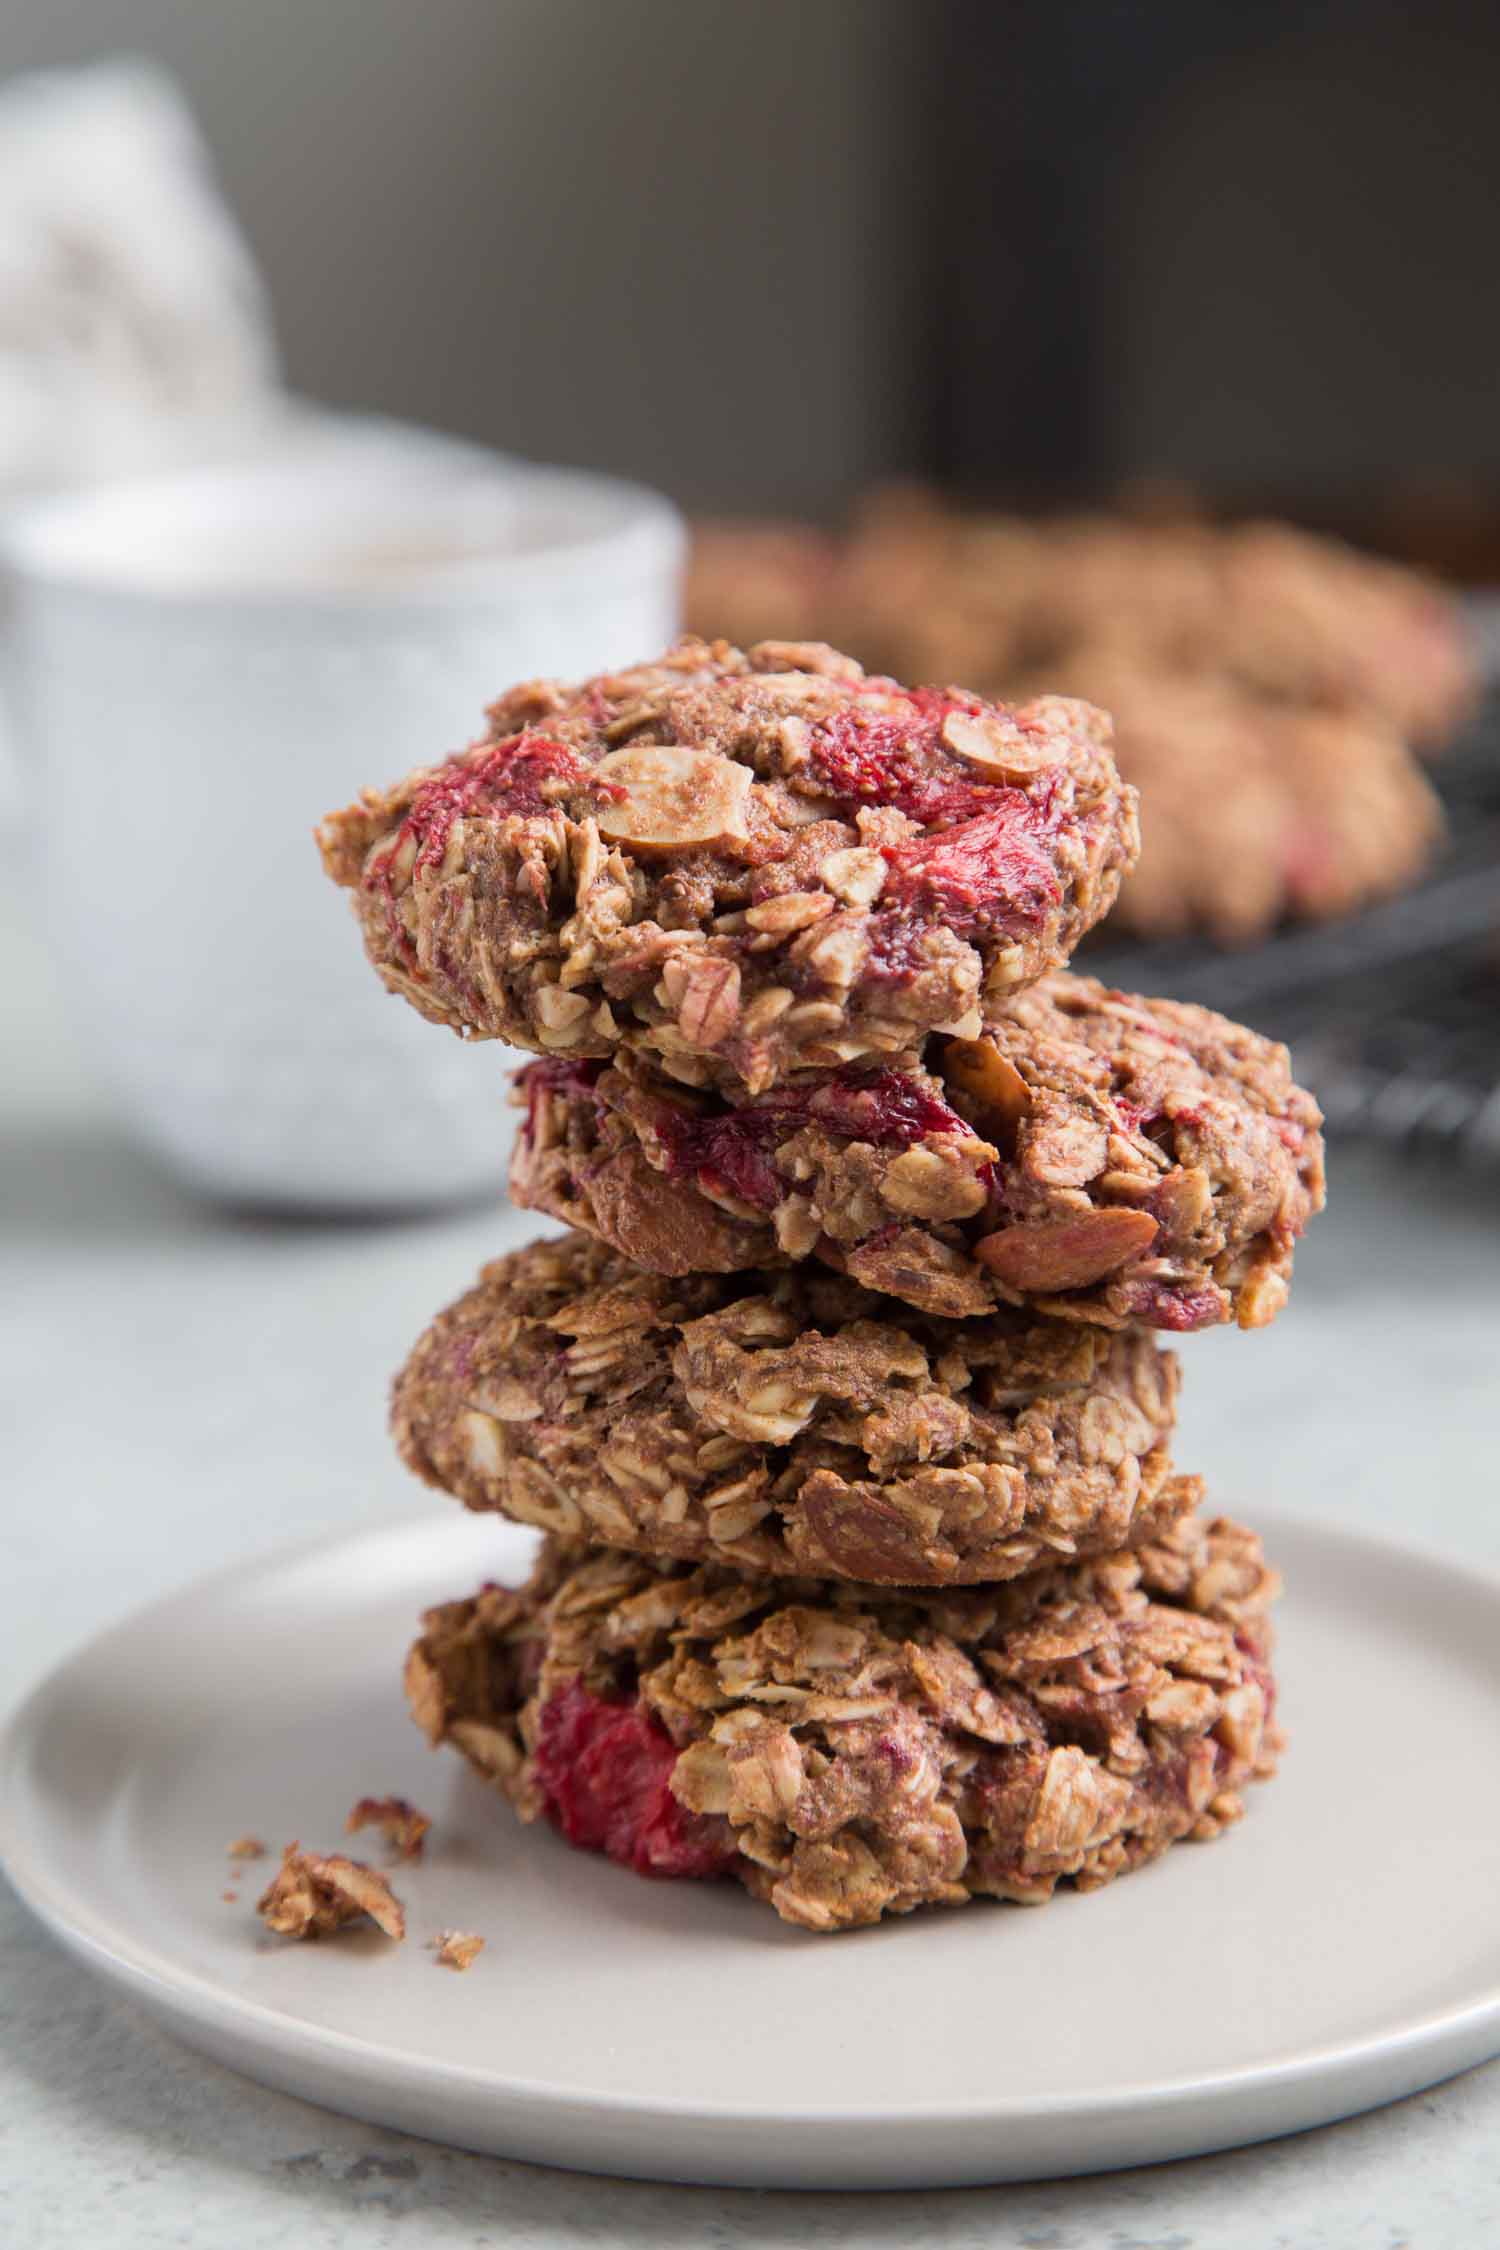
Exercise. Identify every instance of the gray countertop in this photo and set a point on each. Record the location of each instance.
(182, 1388)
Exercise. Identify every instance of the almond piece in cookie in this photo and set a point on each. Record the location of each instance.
(1063, 1254)
(666, 798)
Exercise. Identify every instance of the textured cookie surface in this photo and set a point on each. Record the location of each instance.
(788, 1422)
(848, 1753)
(742, 865)
(1100, 1157)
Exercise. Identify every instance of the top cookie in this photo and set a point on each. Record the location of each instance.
(742, 865)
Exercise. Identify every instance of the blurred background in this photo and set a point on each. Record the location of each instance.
(958, 332)
(761, 255)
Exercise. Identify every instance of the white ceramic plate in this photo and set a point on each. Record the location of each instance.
(1340, 1948)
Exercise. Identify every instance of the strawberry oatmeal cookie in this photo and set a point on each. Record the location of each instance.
(848, 1753)
(738, 865)
(789, 1422)
(1090, 1155)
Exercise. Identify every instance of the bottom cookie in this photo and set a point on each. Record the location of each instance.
(848, 1753)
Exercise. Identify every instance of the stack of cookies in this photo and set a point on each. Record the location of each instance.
(843, 1408)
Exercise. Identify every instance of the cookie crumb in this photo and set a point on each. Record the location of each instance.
(403, 1827)
(247, 1847)
(456, 1949)
(313, 1894)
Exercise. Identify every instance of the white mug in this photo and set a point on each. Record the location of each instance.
(202, 665)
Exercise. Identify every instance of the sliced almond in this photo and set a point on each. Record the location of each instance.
(795, 738)
(483, 1445)
(991, 1082)
(709, 1006)
(675, 799)
(858, 1531)
(857, 875)
(1066, 1253)
(792, 689)
(507, 1398)
(998, 748)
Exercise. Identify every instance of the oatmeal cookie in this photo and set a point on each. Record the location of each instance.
(1255, 812)
(787, 1422)
(848, 1753)
(741, 865)
(1316, 621)
(1092, 1155)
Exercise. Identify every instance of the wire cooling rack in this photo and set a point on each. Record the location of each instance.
(1393, 1014)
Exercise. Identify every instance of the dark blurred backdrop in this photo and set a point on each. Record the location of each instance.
(761, 251)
